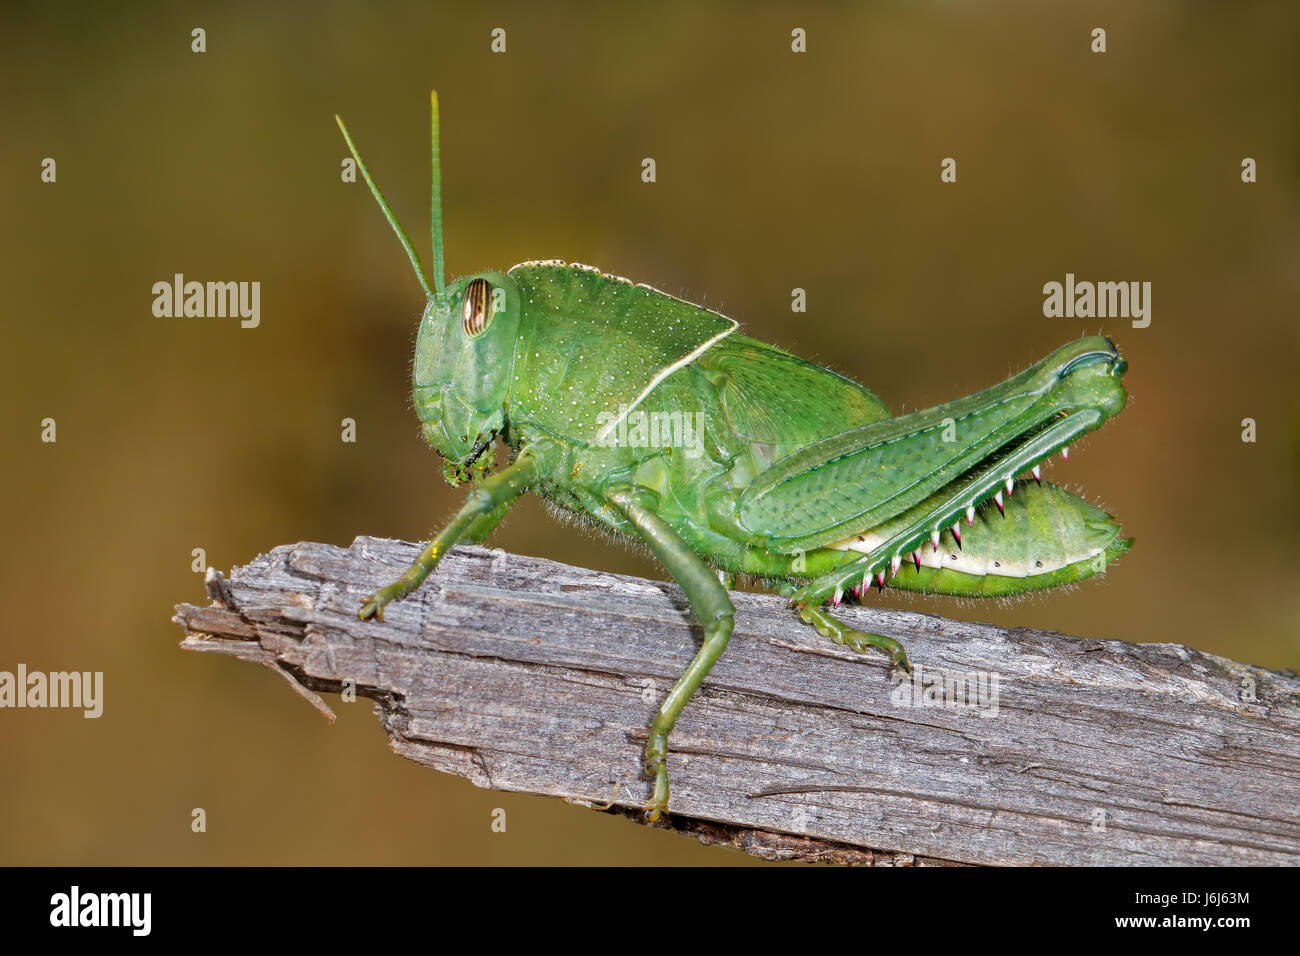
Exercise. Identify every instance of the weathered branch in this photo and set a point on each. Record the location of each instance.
(523, 674)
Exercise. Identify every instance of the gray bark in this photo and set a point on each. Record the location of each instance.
(527, 675)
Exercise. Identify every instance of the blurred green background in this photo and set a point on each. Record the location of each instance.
(775, 170)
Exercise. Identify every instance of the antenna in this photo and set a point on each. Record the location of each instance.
(435, 202)
(388, 213)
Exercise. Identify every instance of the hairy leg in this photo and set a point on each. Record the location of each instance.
(712, 607)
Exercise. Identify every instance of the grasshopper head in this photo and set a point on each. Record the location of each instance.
(464, 357)
(465, 351)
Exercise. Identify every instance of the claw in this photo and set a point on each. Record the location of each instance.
(997, 497)
(1065, 452)
(1038, 474)
(970, 514)
(656, 767)
(372, 607)
(956, 532)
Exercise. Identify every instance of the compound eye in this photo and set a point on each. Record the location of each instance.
(477, 310)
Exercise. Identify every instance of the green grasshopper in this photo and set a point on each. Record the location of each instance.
(796, 477)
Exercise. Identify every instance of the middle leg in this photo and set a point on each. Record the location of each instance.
(712, 607)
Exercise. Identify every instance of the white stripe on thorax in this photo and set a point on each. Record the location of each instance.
(664, 373)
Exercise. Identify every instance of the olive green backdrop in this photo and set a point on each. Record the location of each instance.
(776, 170)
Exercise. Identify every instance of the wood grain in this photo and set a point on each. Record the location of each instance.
(523, 674)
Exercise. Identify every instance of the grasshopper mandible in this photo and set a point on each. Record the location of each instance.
(803, 483)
